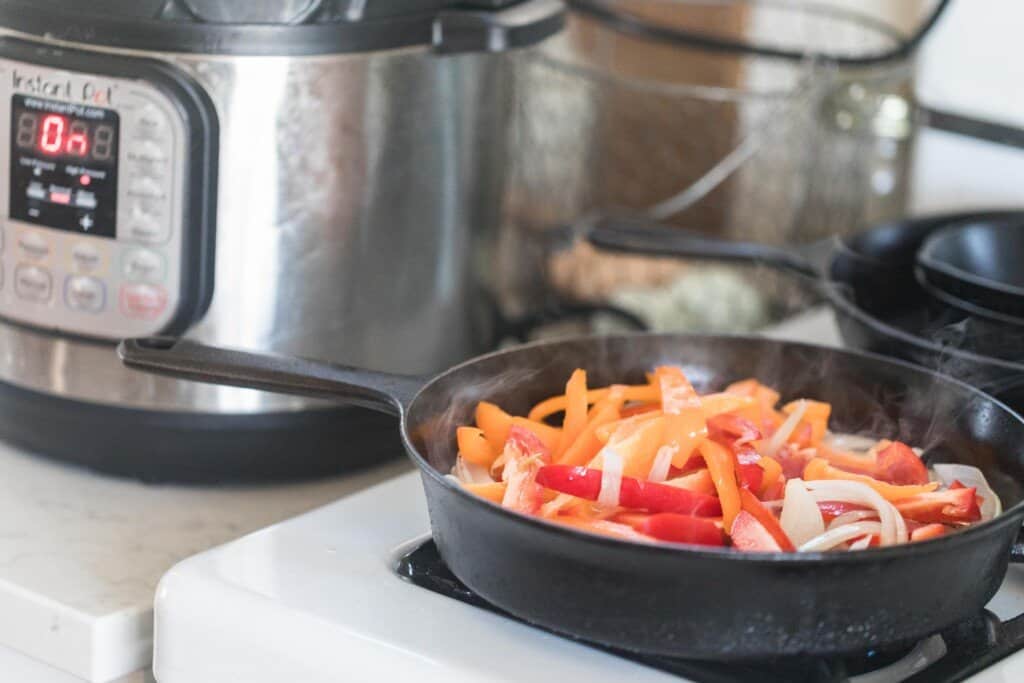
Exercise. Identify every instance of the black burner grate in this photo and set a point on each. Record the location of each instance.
(971, 645)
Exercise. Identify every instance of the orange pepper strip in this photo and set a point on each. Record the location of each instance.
(861, 464)
(548, 435)
(495, 423)
(751, 504)
(604, 432)
(762, 413)
(721, 465)
(586, 446)
(772, 473)
(699, 481)
(575, 412)
(473, 446)
(638, 445)
(638, 392)
(816, 415)
(724, 402)
(494, 491)
(685, 426)
(818, 468)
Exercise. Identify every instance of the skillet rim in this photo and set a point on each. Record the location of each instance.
(667, 550)
(926, 257)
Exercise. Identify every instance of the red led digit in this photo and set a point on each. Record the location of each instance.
(78, 144)
(51, 138)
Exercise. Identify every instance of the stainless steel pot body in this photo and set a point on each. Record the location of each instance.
(356, 193)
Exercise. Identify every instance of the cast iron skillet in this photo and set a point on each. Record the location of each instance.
(670, 600)
(975, 266)
(868, 279)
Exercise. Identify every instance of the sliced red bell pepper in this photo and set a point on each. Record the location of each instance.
(830, 509)
(638, 494)
(748, 472)
(792, 463)
(928, 531)
(898, 464)
(675, 528)
(749, 535)
(732, 430)
(765, 517)
(952, 506)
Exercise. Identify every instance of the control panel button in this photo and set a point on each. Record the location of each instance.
(145, 187)
(146, 226)
(84, 293)
(147, 152)
(33, 283)
(150, 122)
(143, 265)
(143, 301)
(86, 257)
(33, 244)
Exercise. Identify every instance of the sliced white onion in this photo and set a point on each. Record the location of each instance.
(852, 516)
(849, 442)
(471, 473)
(557, 504)
(894, 529)
(834, 537)
(781, 435)
(611, 477)
(861, 544)
(662, 463)
(969, 476)
(801, 519)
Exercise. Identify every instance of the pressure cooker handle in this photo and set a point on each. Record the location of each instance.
(644, 236)
(481, 27)
(184, 359)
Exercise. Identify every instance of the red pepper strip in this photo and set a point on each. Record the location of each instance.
(830, 509)
(763, 515)
(928, 531)
(951, 506)
(749, 473)
(584, 482)
(675, 528)
(730, 429)
(898, 464)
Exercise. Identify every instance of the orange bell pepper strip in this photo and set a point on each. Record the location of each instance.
(575, 412)
(818, 468)
(638, 392)
(493, 491)
(685, 425)
(638, 445)
(721, 465)
(816, 415)
(495, 424)
(762, 413)
(586, 446)
(639, 409)
(724, 402)
(851, 462)
(772, 474)
(699, 481)
(604, 432)
(751, 504)
(473, 446)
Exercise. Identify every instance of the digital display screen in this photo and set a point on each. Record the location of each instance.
(64, 165)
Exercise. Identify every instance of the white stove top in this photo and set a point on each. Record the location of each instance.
(81, 555)
(315, 599)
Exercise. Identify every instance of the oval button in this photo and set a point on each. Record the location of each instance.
(86, 257)
(143, 301)
(33, 283)
(33, 245)
(145, 226)
(143, 265)
(85, 294)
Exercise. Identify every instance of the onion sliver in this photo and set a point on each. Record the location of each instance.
(969, 476)
(471, 473)
(861, 544)
(894, 529)
(781, 435)
(611, 477)
(801, 519)
(850, 442)
(834, 537)
(852, 516)
(662, 463)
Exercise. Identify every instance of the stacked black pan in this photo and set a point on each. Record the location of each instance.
(945, 292)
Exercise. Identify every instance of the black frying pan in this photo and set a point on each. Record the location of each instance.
(869, 281)
(976, 267)
(658, 599)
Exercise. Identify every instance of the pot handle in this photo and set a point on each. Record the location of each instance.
(643, 236)
(1017, 549)
(185, 359)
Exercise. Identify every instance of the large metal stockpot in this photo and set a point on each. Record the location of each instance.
(310, 177)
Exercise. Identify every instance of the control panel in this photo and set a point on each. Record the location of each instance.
(107, 228)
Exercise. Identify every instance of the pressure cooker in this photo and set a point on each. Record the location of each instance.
(308, 177)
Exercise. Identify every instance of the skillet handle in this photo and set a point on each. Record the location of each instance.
(184, 359)
(1017, 549)
(643, 236)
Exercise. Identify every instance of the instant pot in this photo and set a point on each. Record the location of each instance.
(309, 177)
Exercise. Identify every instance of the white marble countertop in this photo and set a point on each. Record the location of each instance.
(81, 554)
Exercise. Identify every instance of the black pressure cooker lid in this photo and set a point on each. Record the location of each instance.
(287, 27)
